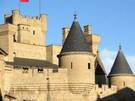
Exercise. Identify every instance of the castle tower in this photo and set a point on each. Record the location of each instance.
(65, 33)
(24, 36)
(121, 74)
(29, 30)
(77, 58)
(92, 39)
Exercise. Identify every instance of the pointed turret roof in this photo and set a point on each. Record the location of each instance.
(120, 65)
(75, 41)
(100, 70)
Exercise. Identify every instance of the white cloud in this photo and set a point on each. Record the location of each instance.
(109, 56)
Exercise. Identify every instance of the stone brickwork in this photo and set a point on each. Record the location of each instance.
(51, 53)
(29, 51)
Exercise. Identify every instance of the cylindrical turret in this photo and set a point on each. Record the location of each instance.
(80, 65)
(121, 74)
(76, 57)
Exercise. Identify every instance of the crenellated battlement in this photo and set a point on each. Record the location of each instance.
(36, 21)
(105, 87)
(49, 68)
(105, 90)
(28, 29)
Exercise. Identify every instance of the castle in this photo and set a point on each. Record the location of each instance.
(32, 71)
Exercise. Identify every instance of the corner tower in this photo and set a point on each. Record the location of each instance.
(76, 56)
(121, 73)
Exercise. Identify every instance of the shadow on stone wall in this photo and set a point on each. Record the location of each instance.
(125, 94)
(0, 96)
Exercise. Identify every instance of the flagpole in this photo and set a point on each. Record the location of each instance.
(39, 7)
(19, 5)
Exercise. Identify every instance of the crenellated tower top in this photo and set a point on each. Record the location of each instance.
(29, 30)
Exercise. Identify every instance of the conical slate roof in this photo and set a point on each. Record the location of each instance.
(100, 70)
(75, 41)
(120, 65)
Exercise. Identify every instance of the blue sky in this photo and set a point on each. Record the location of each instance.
(113, 20)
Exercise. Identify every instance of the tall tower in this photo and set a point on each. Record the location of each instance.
(29, 30)
(92, 39)
(77, 57)
(121, 74)
(23, 36)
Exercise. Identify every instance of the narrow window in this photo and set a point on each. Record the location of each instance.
(124, 83)
(14, 39)
(33, 32)
(71, 65)
(88, 65)
(100, 85)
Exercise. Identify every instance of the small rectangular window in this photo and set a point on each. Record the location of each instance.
(25, 70)
(33, 32)
(71, 65)
(124, 84)
(14, 38)
(88, 65)
(40, 70)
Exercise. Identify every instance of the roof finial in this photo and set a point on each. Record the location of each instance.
(120, 47)
(75, 16)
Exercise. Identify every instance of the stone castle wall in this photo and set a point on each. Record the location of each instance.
(29, 51)
(51, 53)
(34, 85)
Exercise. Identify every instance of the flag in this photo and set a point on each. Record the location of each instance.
(24, 1)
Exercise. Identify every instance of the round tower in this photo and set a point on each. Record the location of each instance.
(76, 56)
(121, 74)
